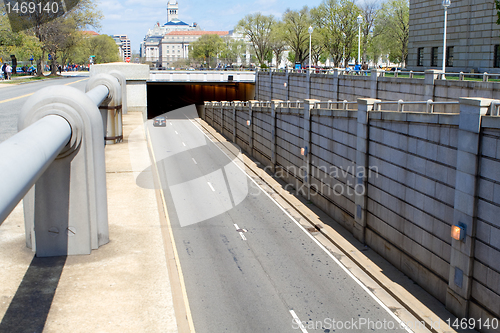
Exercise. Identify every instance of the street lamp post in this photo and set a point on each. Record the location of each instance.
(360, 20)
(310, 45)
(343, 49)
(446, 4)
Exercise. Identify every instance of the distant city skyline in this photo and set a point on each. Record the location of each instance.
(134, 17)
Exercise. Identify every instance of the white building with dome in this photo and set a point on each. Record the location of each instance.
(165, 44)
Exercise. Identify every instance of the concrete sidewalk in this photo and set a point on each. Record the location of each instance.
(121, 287)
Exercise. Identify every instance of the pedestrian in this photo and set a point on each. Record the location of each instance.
(9, 71)
(357, 68)
(364, 68)
(4, 71)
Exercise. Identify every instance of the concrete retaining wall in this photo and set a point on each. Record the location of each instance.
(336, 86)
(397, 180)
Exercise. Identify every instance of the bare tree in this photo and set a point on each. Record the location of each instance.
(369, 13)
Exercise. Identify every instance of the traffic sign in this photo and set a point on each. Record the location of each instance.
(127, 59)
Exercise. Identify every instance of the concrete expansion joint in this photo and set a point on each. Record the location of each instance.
(414, 307)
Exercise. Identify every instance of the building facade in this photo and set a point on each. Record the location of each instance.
(473, 37)
(166, 44)
(123, 43)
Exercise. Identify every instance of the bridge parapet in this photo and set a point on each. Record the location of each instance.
(56, 162)
(201, 76)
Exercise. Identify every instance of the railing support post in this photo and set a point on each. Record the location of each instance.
(465, 210)
(306, 139)
(67, 207)
(431, 75)
(234, 120)
(374, 74)
(250, 127)
(110, 108)
(274, 105)
(362, 167)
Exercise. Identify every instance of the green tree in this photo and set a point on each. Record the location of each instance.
(497, 6)
(207, 48)
(56, 36)
(233, 51)
(257, 28)
(392, 29)
(23, 45)
(277, 42)
(336, 20)
(296, 25)
(104, 48)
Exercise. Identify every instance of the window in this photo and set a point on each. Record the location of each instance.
(496, 59)
(420, 56)
(449, 56)
(434, 56)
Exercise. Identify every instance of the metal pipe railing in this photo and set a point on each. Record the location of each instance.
(98, 94)
(26, 156)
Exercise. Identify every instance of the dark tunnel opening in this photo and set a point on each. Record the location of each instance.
(163, 97)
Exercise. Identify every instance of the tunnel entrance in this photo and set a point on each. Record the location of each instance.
(167, 96)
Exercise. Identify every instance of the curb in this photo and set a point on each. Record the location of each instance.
(432, 322)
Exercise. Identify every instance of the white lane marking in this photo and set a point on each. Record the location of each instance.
(170, 123)
(184, 144)
(321, 246)
(240, 231)
(211, 186)
(297, 321)
(176, 132)
(194, 161)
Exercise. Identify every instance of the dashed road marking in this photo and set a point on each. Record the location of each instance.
(298, 322)
(240, 231)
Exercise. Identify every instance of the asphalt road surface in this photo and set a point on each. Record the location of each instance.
(247, 265)
(12, 98)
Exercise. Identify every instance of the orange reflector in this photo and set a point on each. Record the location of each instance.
(456, 232)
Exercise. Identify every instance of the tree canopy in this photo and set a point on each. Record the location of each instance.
(384, 32)
(207, 48)
(392, 29)
(44, 35)
(257, 28)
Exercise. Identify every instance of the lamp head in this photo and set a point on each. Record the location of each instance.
(360, 18)
(446, 3)
(310, 29)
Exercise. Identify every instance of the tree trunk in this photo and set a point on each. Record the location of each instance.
(53, 66)
(39, 69)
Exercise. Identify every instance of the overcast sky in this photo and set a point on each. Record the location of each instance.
(135, 17)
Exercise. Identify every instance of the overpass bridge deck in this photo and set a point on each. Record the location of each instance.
(208, 76)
